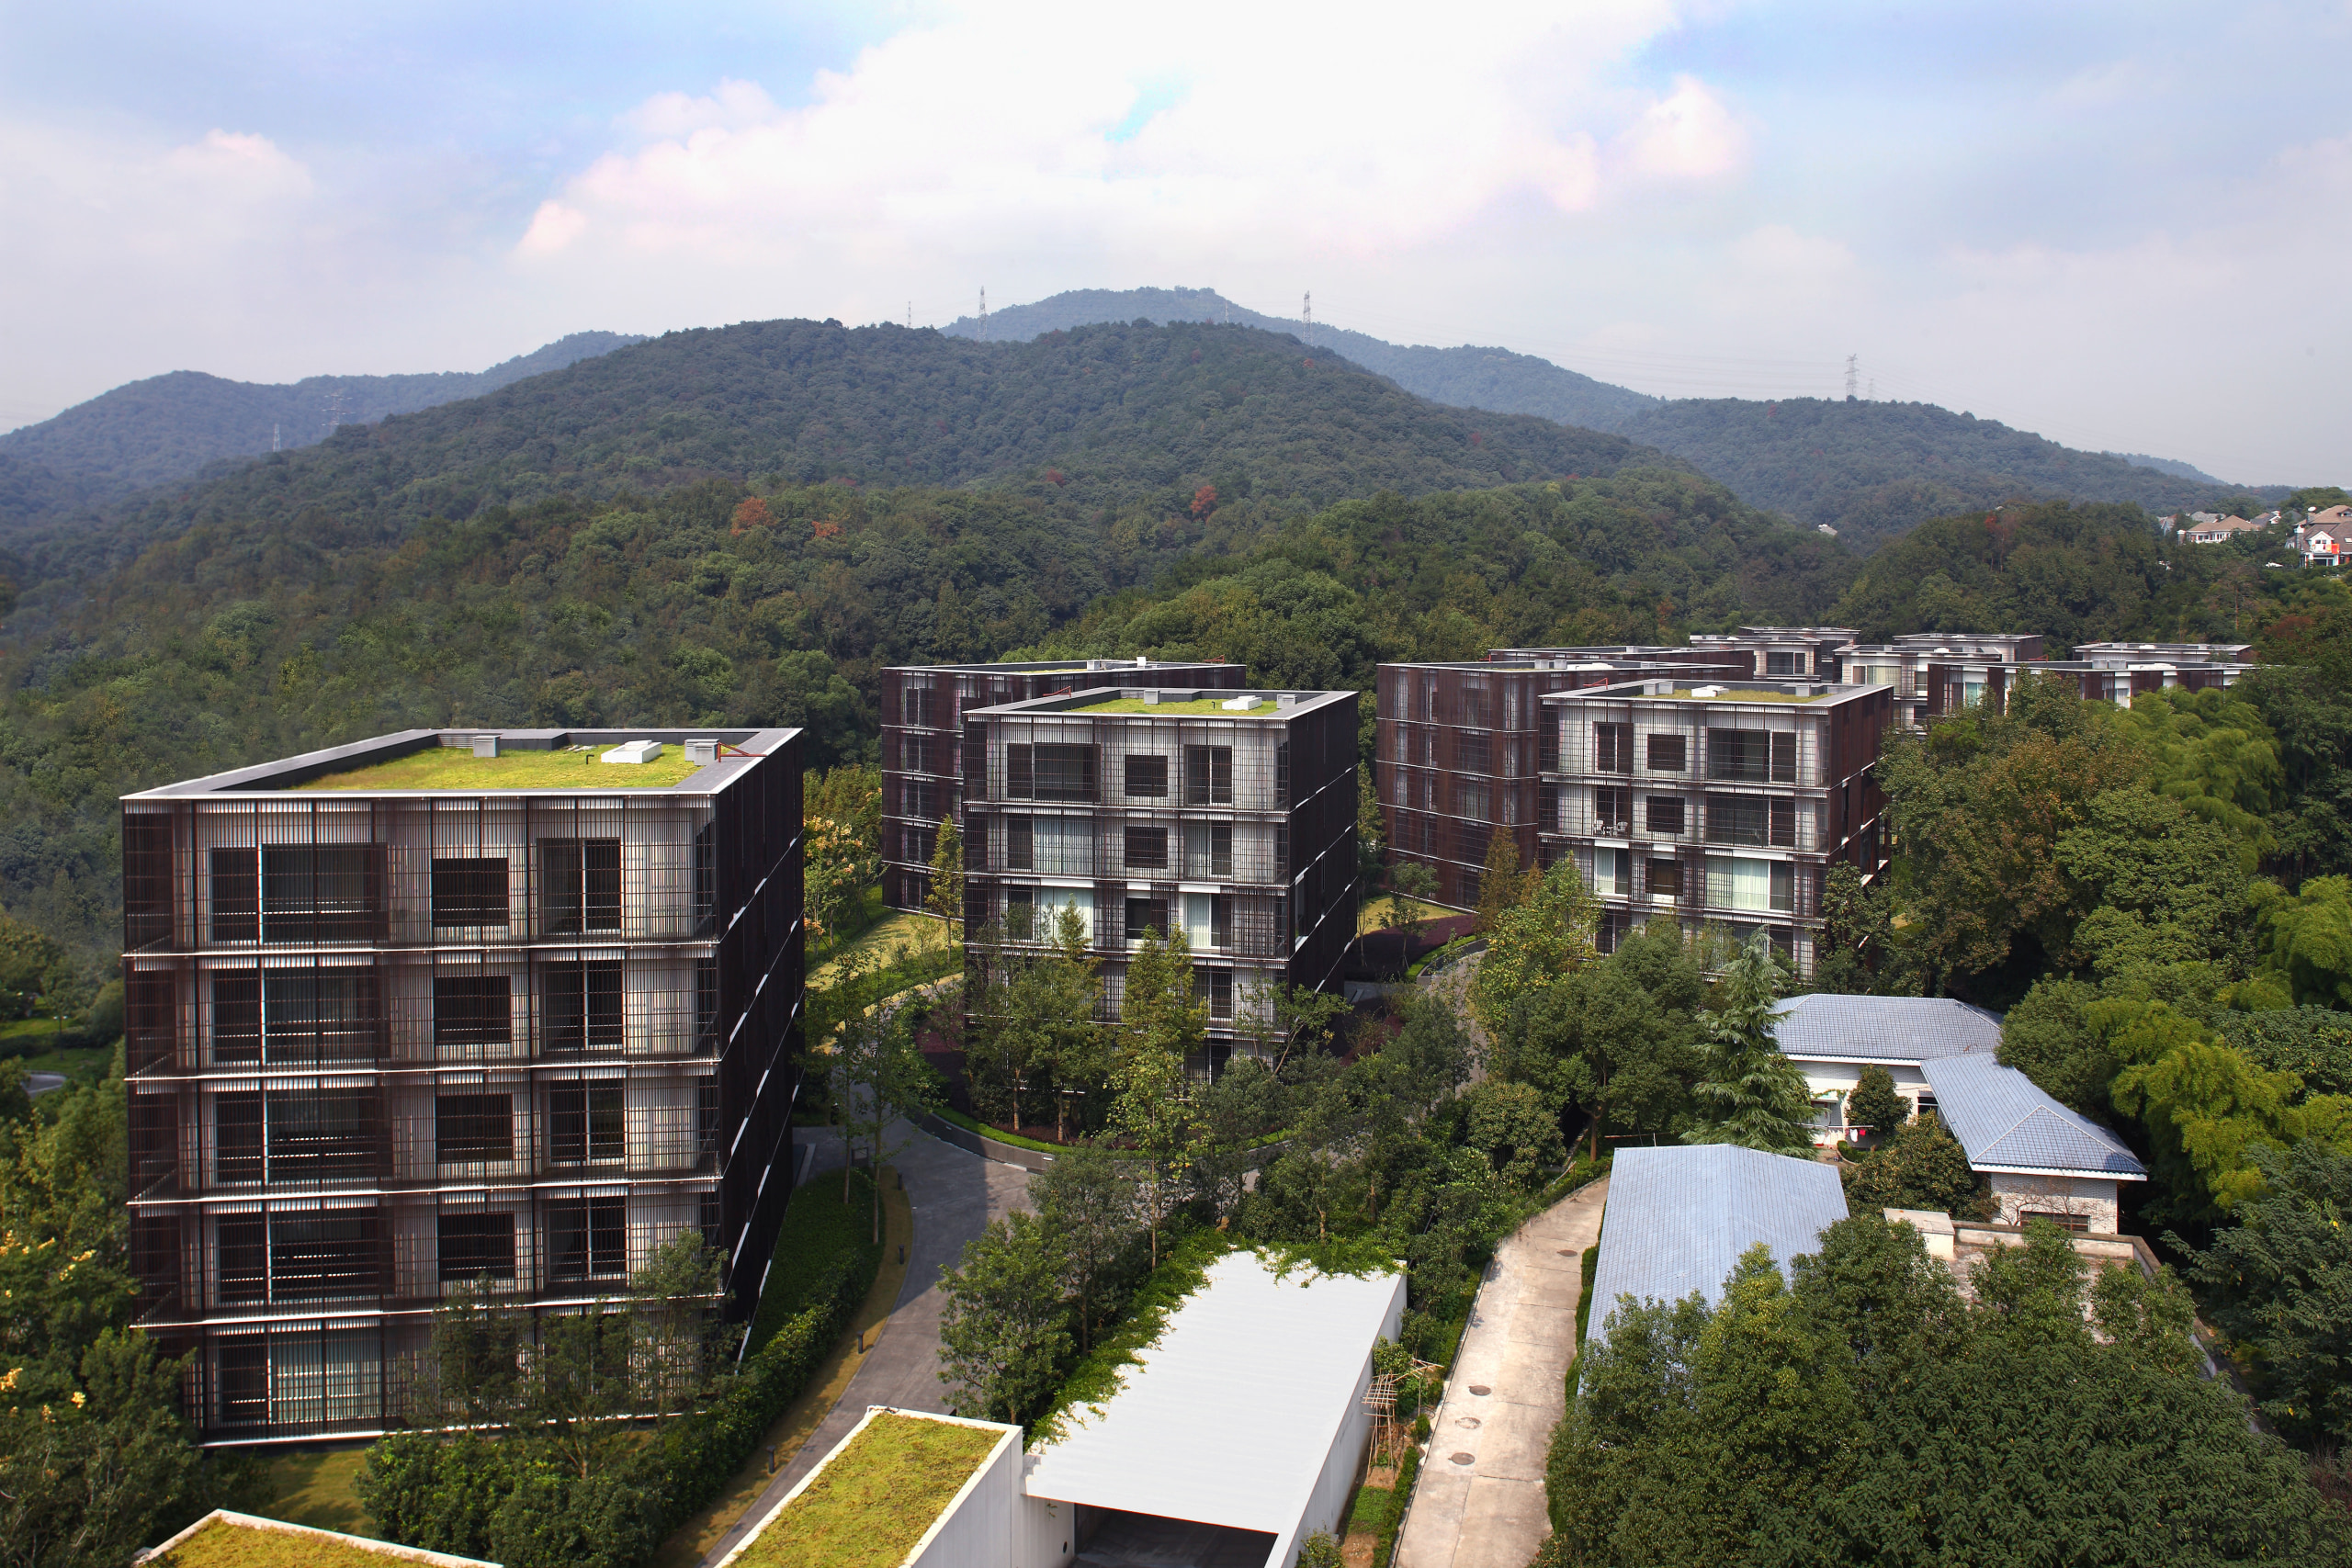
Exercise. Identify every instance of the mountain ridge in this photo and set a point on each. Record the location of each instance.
(168, 428)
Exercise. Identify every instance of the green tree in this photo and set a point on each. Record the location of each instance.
(1538, 942)
(944, 898)
(1922, 1166)
(1004, 1330)
(92, 1472)
(1162, 1027)
(1087, 1204)
(880, 1081)
(1500, 885)
(1749, 1094)
(1408, 881)
(2280, 1282)
(1517, 1132)
(1617, 1040)
(1874, 1104)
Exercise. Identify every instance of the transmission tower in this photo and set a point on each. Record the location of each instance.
(910, 315)
(1306, 315)
(1853, 376)
(273, 443)
(984, 313)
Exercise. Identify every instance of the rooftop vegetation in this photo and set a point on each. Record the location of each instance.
(227, 1543)
(874, 1500)
(452, 767)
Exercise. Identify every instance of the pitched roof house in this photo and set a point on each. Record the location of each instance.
(2042, 1159)
(1679, 1217)
(1832, 1039)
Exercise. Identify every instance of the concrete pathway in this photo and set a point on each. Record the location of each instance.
(1479, 1502)
(953, 1196)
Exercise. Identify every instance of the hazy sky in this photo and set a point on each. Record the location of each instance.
(2124, 225)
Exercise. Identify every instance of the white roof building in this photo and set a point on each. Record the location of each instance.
(1247, 1416)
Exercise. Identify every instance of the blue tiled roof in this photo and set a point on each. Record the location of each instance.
(1885, 1029)
(2005, 1124)
(1678, 1218)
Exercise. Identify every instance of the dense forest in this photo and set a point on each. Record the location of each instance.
(169, 427)
(1872, 470)
(1869, 469)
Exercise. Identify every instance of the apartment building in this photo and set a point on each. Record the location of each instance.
(1767, 653)
(1230, 816)
(1720, 803)
(1459, 746)
(507, 1007)
(922, 741)
(1935, 673)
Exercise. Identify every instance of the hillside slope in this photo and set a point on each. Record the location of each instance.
(168, 428)
(252, 637)
(1131, 421)
(1872, 470)
(1492, 378)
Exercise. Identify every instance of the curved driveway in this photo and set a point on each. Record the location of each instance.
(953, 1196)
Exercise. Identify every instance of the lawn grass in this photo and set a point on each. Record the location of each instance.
(819, 1230)
(452, 767)
(223, 1544)
(869, 1505)
(317, 1487)
(1372, 914)
(919, 934)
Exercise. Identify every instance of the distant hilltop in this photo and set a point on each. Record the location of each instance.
(1866, 470)
(168, 428)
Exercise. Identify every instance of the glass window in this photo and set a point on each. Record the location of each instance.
(583, 1006)
(236, 895)
(469, 892)
(477, 1246)
(1208, 775)
(1739, 882)
(581, 885)
(1739, 754)
(1147, 849)
(587, 1238)
(1663, 814)
(329, 893)
(470, 1127)
(585, 1126)
(1147, 778)
(1667, 753)
(472, 1010)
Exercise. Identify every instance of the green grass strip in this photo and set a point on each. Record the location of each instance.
(819, 1231)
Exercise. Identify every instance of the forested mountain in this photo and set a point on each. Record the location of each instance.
(168, 428)
(1466, 376)
(2075, 574)
(713, 602)
(1870, 469)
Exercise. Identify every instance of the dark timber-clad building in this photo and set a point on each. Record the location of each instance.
(1228, 816)
(922, 738)
(1716, 804)
(423, 1011)
(1460, 745)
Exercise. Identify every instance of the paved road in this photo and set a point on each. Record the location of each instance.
(1479, 1502)
(954, 1195)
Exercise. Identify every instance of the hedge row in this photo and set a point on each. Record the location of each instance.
(700, 1454)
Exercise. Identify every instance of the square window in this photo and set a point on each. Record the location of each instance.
(470, 1127)
(1667, 753)
(468, 892)
(477, 1246)
(1663, 814)
(1147, 778)
(1147, 849)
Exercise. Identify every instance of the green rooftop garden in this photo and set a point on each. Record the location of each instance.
(455, 767)
(225, 1543)
(1214, 705)
(868, 1506)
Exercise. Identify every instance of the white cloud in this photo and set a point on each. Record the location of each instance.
(991, 131)
(1688, 135)
(237, 164)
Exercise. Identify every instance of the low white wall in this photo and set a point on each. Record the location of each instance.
(992, 1523)
(2092, 1199)
(1338, 1477)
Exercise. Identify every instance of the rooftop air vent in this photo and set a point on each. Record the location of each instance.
(634, 751)
(1246, 703)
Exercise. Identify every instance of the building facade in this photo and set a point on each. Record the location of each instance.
(384, 1039)
(1935, 673)
(1459, 746)
(922, 741)
(1716, 805)
(1777, 653)
(1230, 817)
